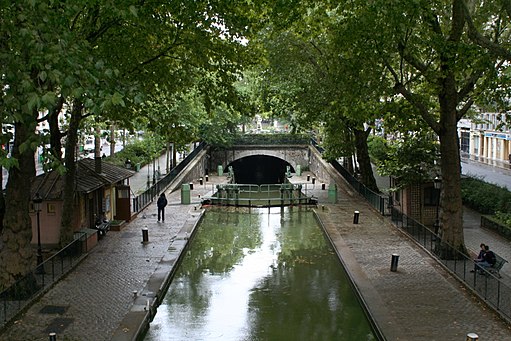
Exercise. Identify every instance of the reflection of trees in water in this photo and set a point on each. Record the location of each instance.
(305, 296)
(307, 290)
(216, 248)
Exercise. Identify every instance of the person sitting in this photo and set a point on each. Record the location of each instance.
(481, 253)
(487, 261)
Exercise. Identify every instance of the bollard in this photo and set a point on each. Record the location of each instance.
(308, 178)
(472, 337)
(191, 186)
(356, 214)
(200, 181)
(52, 336)
(313, 181)
(393, 263)
(323, 186)
(145, 235)
(207, 178)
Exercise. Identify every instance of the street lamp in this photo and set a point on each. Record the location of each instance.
(437, 182)
(37, 207)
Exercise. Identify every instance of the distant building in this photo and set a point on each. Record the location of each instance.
(488, 136)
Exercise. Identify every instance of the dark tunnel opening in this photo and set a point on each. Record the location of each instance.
(260, 169)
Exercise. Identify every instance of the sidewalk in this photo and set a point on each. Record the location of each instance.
(421, 301)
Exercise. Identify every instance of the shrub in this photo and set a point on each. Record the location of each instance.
(484, 197)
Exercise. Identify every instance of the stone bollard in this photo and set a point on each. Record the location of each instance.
(308, 178)
(393, 262)
(313, 181)
(207, 178)
(52, 336)
(191, 186)
(145, 235)
(200, 181)
(323, 186)
(356, 214)
(472, 337)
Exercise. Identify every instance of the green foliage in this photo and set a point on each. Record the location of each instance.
(410, 159)
(504, 218)
(139, 152)
(485, 197)
(378, 148)
(274, 139)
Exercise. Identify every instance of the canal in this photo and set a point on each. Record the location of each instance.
(260, 274)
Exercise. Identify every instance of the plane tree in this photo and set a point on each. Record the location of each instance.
(317, 82)
(88, 58)
(438, 57)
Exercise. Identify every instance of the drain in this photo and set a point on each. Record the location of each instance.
(53, 309)
(59, 324)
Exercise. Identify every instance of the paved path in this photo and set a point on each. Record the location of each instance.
(421, 301)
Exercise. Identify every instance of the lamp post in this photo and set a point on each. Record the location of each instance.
(438, 184)
(37, 207)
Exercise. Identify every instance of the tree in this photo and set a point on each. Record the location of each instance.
(91, 58)
(435, 62)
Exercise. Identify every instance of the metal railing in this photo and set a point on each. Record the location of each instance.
(266, 195)
(487, 285)
(144, 199)
(378, 201)
(25, 290)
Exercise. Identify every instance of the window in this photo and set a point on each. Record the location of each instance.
(51, 208)
(431, 196)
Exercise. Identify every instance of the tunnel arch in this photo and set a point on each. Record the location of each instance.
(260, 169)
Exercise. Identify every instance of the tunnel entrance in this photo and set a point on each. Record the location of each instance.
(260, 169)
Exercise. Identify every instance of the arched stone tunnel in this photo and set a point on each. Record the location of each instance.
(260, 169)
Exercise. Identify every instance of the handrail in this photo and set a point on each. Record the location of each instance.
(488, 286)
(25, 290)
(378, 201)
(144, 199)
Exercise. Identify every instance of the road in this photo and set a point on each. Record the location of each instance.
(492, 174)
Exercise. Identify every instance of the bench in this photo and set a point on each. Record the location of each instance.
(499, 263)
(495, 269)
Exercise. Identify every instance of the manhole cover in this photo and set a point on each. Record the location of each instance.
(128, 235)
(59, 324)
(53, 309)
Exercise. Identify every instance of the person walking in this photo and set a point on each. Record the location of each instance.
(161, 203)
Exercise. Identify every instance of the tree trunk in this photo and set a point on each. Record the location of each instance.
(168, 160)
(2, 199)
(66, 227)
(16, 253)
(451, 218)
(55, 134)
(174, 155)
(112, 139)
(363, 159)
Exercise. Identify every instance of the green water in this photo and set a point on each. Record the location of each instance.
(265, 275)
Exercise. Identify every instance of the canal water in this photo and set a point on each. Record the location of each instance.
(263, 274)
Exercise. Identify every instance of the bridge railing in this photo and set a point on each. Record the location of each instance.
(272, 139)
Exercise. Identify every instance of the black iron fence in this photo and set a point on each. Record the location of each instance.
(487, 285)
(143, 200)
(379, 201)
(24, 291)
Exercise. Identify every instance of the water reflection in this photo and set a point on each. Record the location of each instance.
(268, 275)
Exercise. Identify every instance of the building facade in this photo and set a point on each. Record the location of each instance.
(487, 137)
